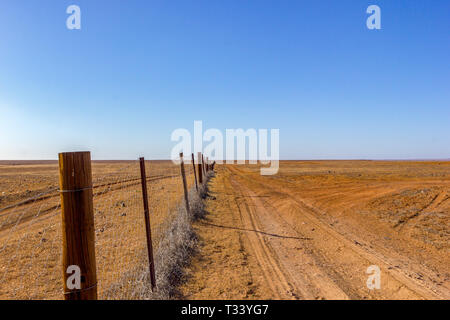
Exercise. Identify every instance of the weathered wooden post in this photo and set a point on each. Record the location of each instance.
(200, 169)
(203, 165)
(148, 230)
(78, 233)
(183, 175)
(195, 174)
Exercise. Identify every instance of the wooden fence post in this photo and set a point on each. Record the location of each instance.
(148, 230)
(183, 174)
(195, 174)
(200, 169)
(78, 233)
(203, 165)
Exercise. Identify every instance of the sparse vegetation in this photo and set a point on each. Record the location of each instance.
(30, 231)
(174, 252)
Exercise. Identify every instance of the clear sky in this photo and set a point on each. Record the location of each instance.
(137, 70)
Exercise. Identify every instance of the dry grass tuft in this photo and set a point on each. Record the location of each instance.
(173, 254)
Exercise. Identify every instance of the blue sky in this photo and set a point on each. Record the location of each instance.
(137, 70)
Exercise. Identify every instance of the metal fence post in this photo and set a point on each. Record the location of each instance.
(148, 230)
(183, 175)
(195, 174)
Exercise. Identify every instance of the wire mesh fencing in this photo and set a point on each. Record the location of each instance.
(31, 228)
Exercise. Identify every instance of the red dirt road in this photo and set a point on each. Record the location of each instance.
(312, 231)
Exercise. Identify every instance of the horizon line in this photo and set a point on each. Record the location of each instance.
(247, 160)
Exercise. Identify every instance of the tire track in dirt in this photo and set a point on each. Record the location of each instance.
(434, 203)
(273, 274)
(410, 275)
(55, 193)
(43, 213)
(306, 278)
(399, 284)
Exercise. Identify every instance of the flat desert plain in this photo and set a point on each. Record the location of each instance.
(313, 230)
(309, 232)
(31, 230)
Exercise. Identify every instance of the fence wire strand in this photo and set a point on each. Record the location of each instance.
(30, 226)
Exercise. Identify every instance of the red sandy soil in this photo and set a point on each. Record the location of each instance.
(312, 230)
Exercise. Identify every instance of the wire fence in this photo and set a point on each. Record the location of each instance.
(31, 226)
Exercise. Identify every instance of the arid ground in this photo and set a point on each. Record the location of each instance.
(312, 230)
(30, 225)
(309, 232)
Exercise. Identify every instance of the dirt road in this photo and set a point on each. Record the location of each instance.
(265, 238)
